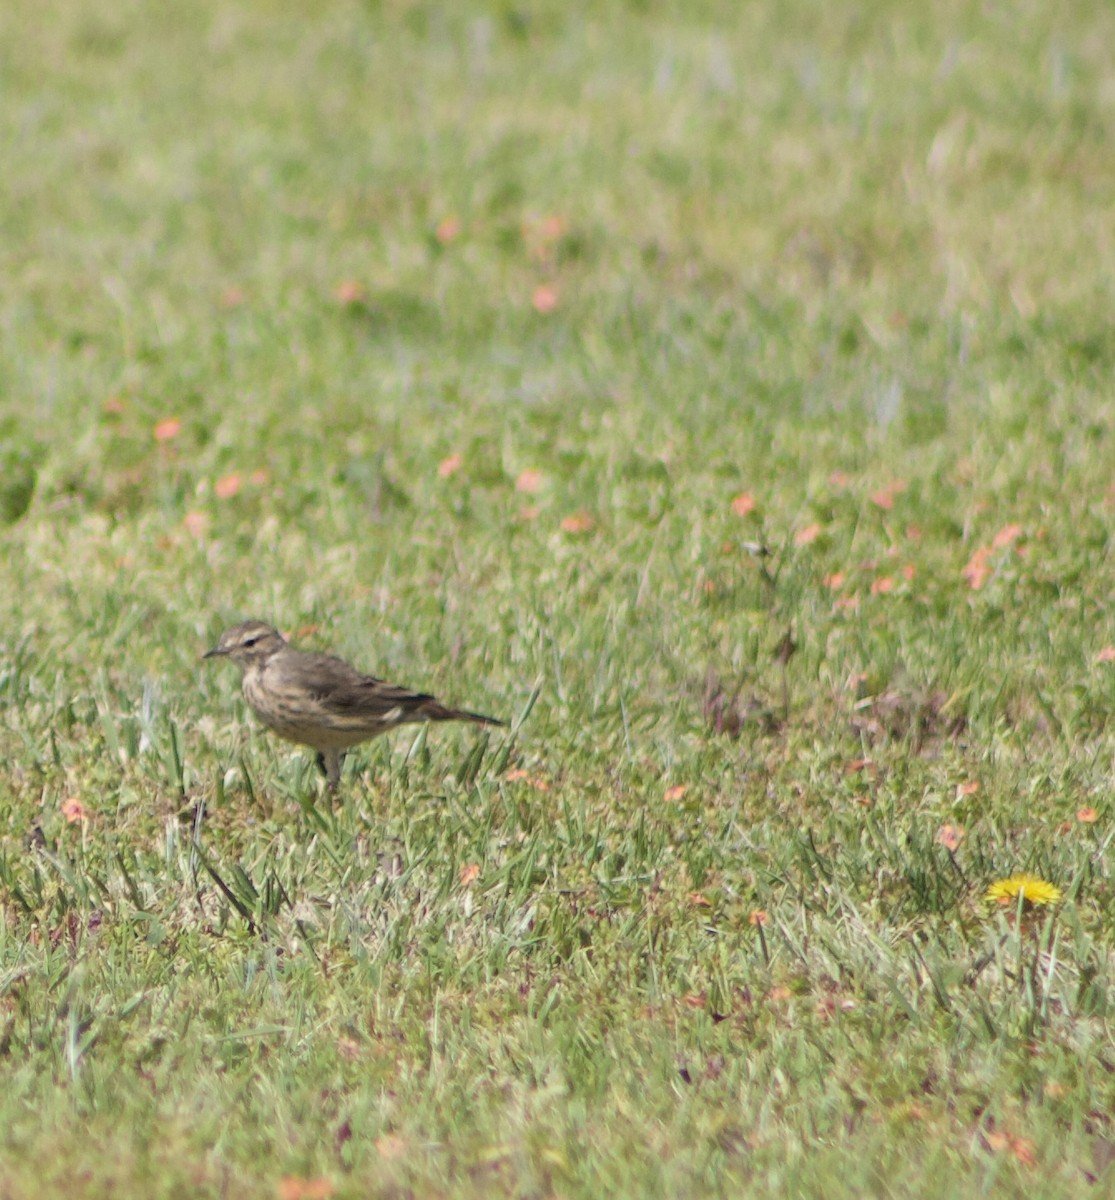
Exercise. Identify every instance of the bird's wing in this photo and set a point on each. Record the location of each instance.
(341, 688)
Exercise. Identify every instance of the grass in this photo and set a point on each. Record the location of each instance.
(561, 360)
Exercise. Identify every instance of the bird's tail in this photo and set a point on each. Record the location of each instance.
(438, 712)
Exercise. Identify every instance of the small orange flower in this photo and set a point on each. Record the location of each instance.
(350, 291)
(448, 229)
(1006, 536)
(518, 775)
(228, 486)
(73, 810)
(977, 571)
(885, 497)
(168, 429)
(450, 466)
(1087, 816)
(578, 522)
(196, 523)
(544, 299)
(759, 916)
(470, 873)
(809, 534)
(999, 1141)
(743, 504)
(950, 836)
(529, 481)
(391, 1146)
(291, 1187)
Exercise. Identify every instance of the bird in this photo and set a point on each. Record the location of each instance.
(321, 701)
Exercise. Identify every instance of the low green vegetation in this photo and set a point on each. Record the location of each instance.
(722, 395)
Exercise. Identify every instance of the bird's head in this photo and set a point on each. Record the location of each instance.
(249, 644)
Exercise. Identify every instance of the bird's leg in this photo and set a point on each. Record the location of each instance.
(320, 760)
(330, 762)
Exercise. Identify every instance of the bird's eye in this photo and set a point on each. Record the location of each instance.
(251, 641)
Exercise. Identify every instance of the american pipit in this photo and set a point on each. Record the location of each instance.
(319, 700)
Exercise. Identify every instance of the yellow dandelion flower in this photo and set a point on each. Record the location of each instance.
(1031, 888)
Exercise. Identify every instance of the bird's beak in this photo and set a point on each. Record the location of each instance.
(216, 652)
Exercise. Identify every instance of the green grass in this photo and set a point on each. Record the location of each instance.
(799, 252)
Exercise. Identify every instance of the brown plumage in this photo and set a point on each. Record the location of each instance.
(320, 700)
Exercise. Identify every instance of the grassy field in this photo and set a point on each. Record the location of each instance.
(722, 394)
